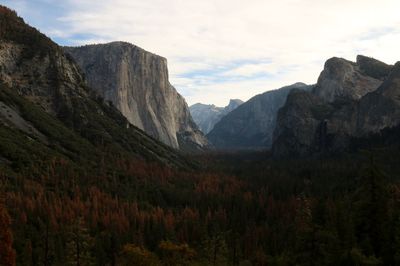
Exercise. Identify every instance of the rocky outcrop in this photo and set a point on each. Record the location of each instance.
(42, 73)
(251, 125)
(373, 68)
(342, 79)
(351, 100)
(233, 104)
(207, 115)
(136, 82)
(381, 108)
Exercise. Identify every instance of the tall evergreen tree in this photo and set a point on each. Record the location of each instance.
(371, 213)
(215, 250)
(79, 245)
(7, 253)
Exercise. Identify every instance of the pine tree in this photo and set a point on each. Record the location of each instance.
(7, 253)
(215, 250)
(305, 232)
(396, 241)
(79, 245)
(372, 213)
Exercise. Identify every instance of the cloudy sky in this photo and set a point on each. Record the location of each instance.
(222, 49)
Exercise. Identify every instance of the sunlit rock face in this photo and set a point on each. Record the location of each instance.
(207, 115)
(136, 82)
(344, 79)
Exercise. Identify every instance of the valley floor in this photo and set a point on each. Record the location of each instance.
(232, 209)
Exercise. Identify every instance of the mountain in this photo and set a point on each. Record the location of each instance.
(347, 80)
(233, 104)
(252, 124)
(207, 115)
(48, 111)
(351, 100)
(136, 82)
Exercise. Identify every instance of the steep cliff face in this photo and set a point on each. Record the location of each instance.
(45, 98)
(41, 73)
(351, 100)
(299, 112)
(207, 115)
(251, 125)
(342, 79)
(233, 104)
(381, 108)
(136, 82)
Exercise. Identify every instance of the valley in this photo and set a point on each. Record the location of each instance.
(102, 162)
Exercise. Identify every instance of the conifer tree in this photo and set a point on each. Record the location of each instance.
(371, 213)
(7, 253)
(215, 249)
(79, 245)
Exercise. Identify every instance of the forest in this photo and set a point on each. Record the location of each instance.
(231, 209)
(93, 191)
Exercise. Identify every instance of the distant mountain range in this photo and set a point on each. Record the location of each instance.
(207, 115)
(351, 100)
(251, 126)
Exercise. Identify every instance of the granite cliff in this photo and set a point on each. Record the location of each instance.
(207, 115)
(351, 100)
(136, 82)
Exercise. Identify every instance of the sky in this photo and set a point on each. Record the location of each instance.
(224, 49)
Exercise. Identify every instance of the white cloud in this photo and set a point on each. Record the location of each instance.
(249, 70)
(287, 40)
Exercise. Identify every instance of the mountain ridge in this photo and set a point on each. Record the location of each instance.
(251, 124)
(207, 115)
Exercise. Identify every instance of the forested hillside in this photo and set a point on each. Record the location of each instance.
(242, 208)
